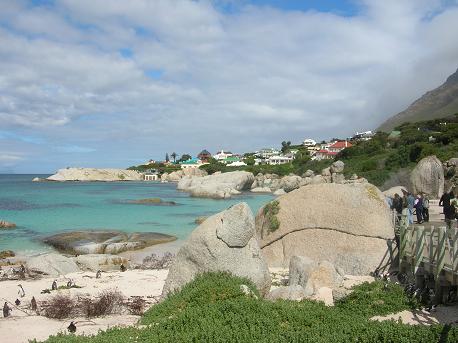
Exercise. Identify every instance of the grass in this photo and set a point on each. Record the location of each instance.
(213, 309)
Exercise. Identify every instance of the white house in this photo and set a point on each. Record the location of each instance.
(237, 164)
(266, 153)
(222, 155)
(309, 142)
(275, 160)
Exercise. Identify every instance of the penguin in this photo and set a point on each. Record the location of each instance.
(22, 269)
(33, 304)
(6, 310)
(70, 283)
(98, 275)
(17, 302)
(54, 285)
(123, 268)
(71, 328)
(21, 291)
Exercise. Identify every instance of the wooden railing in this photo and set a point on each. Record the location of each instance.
(433, 248)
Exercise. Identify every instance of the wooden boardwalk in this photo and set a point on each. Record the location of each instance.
(429, 250)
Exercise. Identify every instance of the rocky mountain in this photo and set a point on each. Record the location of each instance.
(438, 103)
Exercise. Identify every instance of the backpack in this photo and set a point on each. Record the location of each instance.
(426, 203)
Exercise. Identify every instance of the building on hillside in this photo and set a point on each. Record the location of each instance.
(266, 153)
(324, 154)
(276, 160)
(191, 163)
(230, 159)
(237, 164)
(339, 146)
(204, 156)
(363, 136)
(222, 155)
(309, 143)
(150, 162)
(150, 177)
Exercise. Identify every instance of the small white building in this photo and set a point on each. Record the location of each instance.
(309, 143)
(222, 155)
(191, 163)
(150, 177)
(266, 153)
(275, 160)
(236, 164)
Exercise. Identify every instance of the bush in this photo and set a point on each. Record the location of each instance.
(213, 308)
(270, 212)
(59, 306)
(108, 302)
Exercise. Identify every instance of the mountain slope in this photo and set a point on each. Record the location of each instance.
(438, 103)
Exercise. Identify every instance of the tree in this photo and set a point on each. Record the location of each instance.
(184, 157)
(285, 146)
(167, 159)
(174, 156)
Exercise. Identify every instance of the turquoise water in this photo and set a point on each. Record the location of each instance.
(42, 208)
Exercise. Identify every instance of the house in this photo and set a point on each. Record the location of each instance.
(222, 155)
(309, 143)
(237, 164)
(363, 136)
(339, 146)
(204, 156)
(191, 163)
(230, 159)
(324, 154)
(275, 160)
(266, 153)
(150, 177)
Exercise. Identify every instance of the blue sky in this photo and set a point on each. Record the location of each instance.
(114, 83)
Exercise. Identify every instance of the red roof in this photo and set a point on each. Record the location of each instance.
(341, 145)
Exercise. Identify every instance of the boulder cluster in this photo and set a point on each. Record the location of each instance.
(179, 174)
(267, 183)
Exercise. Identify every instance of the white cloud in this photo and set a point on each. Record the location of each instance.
(240, 80)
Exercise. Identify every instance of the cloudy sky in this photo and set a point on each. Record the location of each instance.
(112, 83)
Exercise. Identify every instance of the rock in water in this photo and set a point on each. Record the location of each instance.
(428, 177)
(347, 225)
(93, 174)
(223, 242)
(100, 262)
(217, 186)
(6, 225)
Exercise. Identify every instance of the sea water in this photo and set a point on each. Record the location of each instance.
(40, 209)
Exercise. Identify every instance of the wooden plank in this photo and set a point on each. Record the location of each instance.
(440, 248)
(419, 246)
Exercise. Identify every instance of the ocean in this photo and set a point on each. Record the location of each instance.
(40, 209)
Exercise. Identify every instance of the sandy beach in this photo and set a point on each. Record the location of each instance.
(24, 324)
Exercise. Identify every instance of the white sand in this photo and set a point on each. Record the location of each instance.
(20, 327)
(442, 315)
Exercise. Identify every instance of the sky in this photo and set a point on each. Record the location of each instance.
(114, 83)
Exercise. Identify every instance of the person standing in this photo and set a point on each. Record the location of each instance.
(410, 206)
(445, 203)
(425, 208)
(418, 204)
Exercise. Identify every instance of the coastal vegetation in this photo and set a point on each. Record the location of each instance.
(215, 308)
(270, 213)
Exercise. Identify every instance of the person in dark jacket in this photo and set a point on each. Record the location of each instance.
(445, 203)
(418, 204)
(397, 204)
(425, 208)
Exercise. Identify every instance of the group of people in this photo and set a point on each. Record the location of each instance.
(418, 205)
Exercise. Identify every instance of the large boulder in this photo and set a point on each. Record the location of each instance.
(337, 167)
(104, 242)
(293, 292)
(52, 264)
(290, 183)
(219, 186)
(223, 242)
(347, 225)
(93, 174)
(428, 177)
(179, 174)
(400, 190)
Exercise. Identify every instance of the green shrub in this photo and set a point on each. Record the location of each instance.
(270, 213)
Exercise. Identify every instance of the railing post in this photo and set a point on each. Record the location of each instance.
(440, 251)
(419, 246)
(403, 237)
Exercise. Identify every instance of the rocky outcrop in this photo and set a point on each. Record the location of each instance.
(104, 262)
(347, 225)
(104, 242)
(294, 293)
(400, 190)
(6, 225)
(428, 177)
(179, 174)
(261, 190)
(223, 242)
(7, 254)
(93, 174)
(52, 264)
(219, 186)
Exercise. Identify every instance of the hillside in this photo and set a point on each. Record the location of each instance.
(440, 102)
